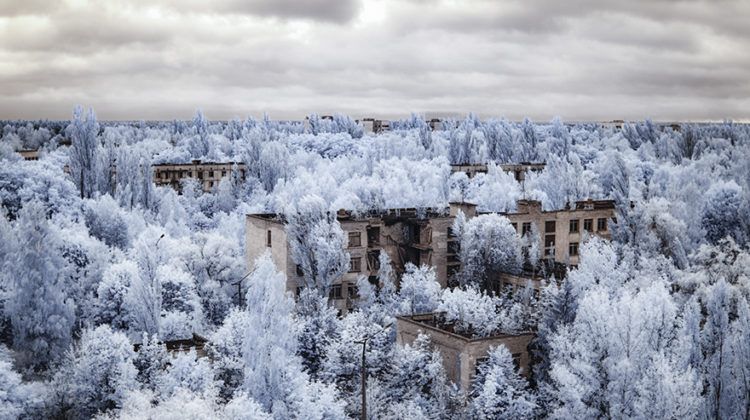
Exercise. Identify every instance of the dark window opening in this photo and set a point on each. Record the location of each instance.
(355, 265)
(335, 292)
(525, 228)
(588, 225)
(355, 239)
(574, 226)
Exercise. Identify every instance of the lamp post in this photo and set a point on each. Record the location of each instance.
(239, 287)
(363, 375)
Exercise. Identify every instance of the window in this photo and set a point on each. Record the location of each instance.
(200, 174)
(210, 174)
(355, 265)
(515, 226)
(525, 228)
(268, 238)
(352, 292)
(549, 226)
(373, 236)
(335, 292)
(601, 224)
(587, 224)
(574, 226)
(573, 249)
(516, 360)
(223, 173)
(355, 239)
(549, 245)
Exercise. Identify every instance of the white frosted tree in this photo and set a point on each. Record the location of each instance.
(489, 246)
(470, 311)
(41, 313)
(111, 306)
(317, 243)
(97, 375)
(319, 325)
(274, 375)
(420, 291)
(83, 151)
(722, 215)
(499, 391)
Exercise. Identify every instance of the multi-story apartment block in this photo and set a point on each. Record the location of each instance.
(209, 174)
(425, 237)
(562, 231)
(518, 170)
(406, 235)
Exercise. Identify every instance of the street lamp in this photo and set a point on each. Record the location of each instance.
(239, 287)
(363, 374)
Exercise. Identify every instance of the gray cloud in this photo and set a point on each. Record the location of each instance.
(580, 59)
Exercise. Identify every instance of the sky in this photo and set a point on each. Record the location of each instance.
(595, 60)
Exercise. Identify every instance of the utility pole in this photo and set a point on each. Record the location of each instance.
(363, 374)
(239, 287)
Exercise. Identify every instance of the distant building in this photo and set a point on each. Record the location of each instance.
(462, 355)
(29, 154)
(378, 126)
(518, 170)
(426, 237)
(209, 174)
(406, 235)
(195, 342)
(562, 231)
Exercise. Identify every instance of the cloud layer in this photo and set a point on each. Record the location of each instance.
(580, 59)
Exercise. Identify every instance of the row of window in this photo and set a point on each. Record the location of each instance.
(550, 226)
(186, 174)
(336, 291)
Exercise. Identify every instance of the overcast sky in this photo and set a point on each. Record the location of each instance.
(579, 59)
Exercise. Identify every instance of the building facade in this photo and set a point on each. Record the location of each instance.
(426, 238)
(561, 232)
(462, 355)
(208, 174)
(405, 235)
(519, 170)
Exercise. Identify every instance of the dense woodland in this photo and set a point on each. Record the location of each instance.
(95, 259)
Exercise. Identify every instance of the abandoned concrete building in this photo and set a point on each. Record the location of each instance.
(425, 237)
(518, 170)
(406, 235)
(462, 355)
(29, 154)
(209, 174)
(561, 232)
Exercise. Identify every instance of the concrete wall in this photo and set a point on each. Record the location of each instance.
(563, 236)
(460, 354)
(211, 173)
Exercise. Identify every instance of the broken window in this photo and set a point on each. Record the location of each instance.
(525, 228)
(355, 265)
(355, 239)
(335, 292)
